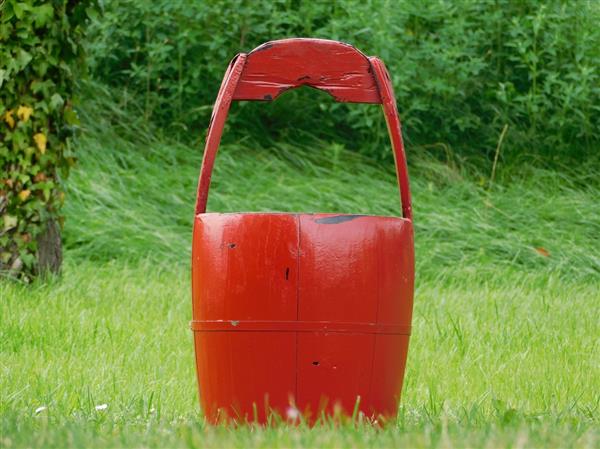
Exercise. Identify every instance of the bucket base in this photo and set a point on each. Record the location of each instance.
(299, 374)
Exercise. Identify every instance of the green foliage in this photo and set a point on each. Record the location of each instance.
(39, 51)
(462, 70)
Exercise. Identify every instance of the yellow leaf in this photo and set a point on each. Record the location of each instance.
(542, 251)
(8, 118)
(24, 194)
(40, 141)
(24, 112)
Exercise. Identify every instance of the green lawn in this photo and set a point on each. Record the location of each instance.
(507, 359)
(504, 351)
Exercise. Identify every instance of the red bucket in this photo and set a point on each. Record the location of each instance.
(301, 314)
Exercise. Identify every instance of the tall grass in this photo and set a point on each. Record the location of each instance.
(537, 219)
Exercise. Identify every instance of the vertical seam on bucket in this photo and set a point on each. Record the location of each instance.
(298, 221)
(374, 348)
(298, 249)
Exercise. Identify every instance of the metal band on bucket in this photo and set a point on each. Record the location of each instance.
(297, 326)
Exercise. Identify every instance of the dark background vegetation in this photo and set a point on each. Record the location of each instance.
(462, 70)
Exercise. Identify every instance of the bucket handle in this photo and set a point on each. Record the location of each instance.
(274, 67)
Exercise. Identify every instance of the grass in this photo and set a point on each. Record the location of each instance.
(510, 361)
(504, 351)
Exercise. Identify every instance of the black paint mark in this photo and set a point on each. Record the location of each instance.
(336, 219)
(287, 273)
(305, 77)
(316, 363)
(231, 245)
(268, 97)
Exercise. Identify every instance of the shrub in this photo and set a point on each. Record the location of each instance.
(462, 70)
(39, 50)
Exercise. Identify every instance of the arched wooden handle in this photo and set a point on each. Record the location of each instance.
(337, 68)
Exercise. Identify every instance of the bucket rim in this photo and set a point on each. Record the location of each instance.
(298, 214)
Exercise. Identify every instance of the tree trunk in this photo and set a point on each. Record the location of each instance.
(49, 249)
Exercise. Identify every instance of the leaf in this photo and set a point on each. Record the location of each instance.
(24, 194)
(43, 14)
(10, 222)
(24, 112)
(8, 118)
(22, 58)
(70, 116)
(3, 76)
(56, 101)
(542, 251)
(92, 13)
(19, 9)
(40, 141)
(5, 257)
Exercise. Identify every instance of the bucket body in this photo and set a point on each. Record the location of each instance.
(301, 313)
